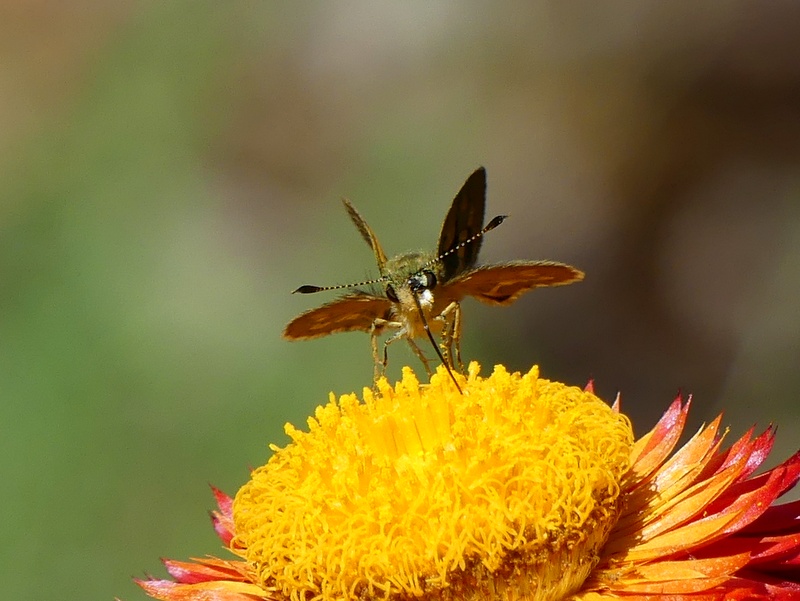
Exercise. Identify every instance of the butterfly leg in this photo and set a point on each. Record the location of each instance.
(378, 327)
(457, 337)
(418, 352)
(380, 365)
(451, 335)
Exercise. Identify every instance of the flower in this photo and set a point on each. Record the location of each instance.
(520, 488)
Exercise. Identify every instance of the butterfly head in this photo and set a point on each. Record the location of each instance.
(410, 275)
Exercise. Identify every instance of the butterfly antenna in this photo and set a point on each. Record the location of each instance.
(308, 289)
(487, 228)
(433, 342)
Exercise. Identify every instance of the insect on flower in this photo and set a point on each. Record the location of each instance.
(422, 291)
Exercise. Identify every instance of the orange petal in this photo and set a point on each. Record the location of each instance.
(671, 485)
(206, 570)
(680, 577)
(688, 505)
(650, 451)
(166, 590)
(686, 538)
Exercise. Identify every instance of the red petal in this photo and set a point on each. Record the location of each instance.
(749, 505)
(788, 471)
(780, 549)
(740, 450)
(778, 519)
(759, 450)
(792, 475)
(223, 519)
(776, 588)
(224, 502)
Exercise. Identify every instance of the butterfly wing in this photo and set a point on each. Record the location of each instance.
(464, 220)
(366, 233)
(504, 283)
(354, 312)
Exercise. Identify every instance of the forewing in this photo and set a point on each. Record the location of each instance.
(503, 284)
(346, 314)
(464, 220)
(367, 234)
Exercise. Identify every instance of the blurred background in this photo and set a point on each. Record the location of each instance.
(170, 171)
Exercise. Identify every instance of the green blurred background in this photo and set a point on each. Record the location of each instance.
(170, 171)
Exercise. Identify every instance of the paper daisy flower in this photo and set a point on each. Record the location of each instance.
(520, 488)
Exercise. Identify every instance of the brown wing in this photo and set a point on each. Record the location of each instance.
(367, 234)
(464, 220)
(346, 314)
(503, 284)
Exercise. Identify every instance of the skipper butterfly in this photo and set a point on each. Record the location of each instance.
(420, 292)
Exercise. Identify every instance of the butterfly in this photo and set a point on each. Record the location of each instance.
(421, 292)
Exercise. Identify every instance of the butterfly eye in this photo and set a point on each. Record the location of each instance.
(391, 294)
(424, 280)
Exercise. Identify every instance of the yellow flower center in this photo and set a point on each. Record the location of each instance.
(504, 492)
